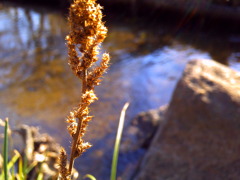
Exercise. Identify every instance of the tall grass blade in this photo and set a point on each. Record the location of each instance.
(24, 166)
(30, 167)
(40, 176)
(13, 160)
(20, 169)
(117, 142)
(90, 177)
(40, 173)
(5, 151)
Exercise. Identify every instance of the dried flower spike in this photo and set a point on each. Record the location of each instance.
(63, 171)
(87, 32)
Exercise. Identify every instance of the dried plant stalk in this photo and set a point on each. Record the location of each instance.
(87, 32)
(64, 174)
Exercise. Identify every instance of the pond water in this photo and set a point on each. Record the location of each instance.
(38, 88)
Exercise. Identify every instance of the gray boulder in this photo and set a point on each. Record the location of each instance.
(200, 137)
(142, 129)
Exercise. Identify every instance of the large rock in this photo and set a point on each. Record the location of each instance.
(200, 139)
(142, 130)
(136, 140)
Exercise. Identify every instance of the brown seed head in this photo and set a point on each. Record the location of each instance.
(87, 31)
(64, 175)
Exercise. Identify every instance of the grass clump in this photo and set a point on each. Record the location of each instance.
(16, 167)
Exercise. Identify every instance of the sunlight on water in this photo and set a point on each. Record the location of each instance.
(38, 88)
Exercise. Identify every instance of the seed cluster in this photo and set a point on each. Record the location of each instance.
(87, 32)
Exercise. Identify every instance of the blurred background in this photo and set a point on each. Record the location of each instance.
(150, 42)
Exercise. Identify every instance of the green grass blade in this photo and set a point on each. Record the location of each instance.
(89, 176)
(40, 176)
(13, 160)
(2, 175)
(5, 151)
(20, 169)
(30, 167)
(24, 166)
(40, 173)
(117, 143)
(12, 163)
(13, 174)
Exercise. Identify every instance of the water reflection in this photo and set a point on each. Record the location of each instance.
(37, 87)
(28, 39)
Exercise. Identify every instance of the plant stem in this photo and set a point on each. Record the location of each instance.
(76, 136)
(74, 146)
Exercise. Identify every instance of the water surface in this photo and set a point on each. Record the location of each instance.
(38, 88)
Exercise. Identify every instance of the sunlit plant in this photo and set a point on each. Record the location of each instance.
(87, 32)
